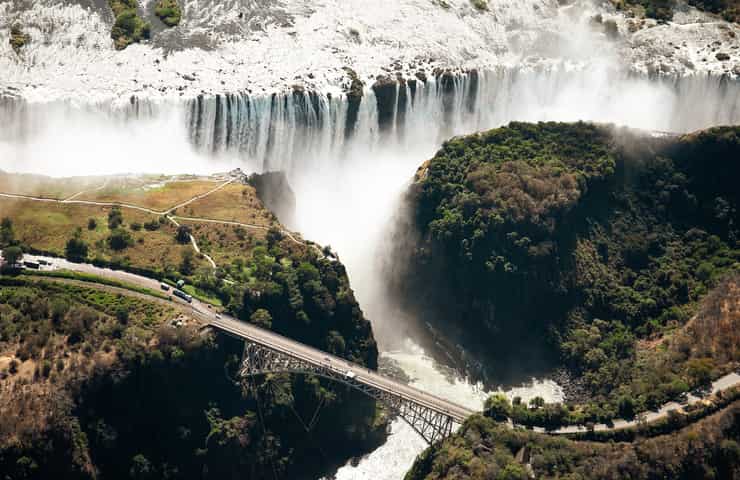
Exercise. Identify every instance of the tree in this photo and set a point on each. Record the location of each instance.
(120, 239)
(115, 218)
(626, 406)
(141, 468)
(700, 370)
(122, 315)
(76, 249)
(274, 235)
(537, 402)
(186, 265)
(12, 255)
(7, 236)
(512, 471)
(261, 318)
(497, 407)
(183, 234)
(92, 224)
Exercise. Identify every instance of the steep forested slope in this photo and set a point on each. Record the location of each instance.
(94, 384)
(483, 449)
(599, 239)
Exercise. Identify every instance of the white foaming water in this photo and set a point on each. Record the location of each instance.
(393, 459)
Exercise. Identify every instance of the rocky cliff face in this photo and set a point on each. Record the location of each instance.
(276, 195)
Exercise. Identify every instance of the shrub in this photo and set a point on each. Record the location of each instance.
(115, 218)
(183, 234)
(18, 39)
(76, 248)
(186, 265)
(45, 368)
(261, 318)
(7, 236)
(497, 407)
(152, 225)
(13, 255)
(120, 239)
(169, 12)
(129, 27)
(92, 224)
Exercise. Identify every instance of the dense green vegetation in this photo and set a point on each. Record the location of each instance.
(128, 27)
(595, 238)
(101, 382)
(484, 449)
(18, 39)
(664, 9)
(307, 296)
(169, 12)
(728, 9)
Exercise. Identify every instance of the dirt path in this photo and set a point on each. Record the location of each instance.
(165, 213)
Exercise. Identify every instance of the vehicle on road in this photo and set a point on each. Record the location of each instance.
(32, 264)
(183, 295)
(350, 374)
(164, 286)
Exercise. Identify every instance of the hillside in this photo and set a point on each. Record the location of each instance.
(484, 449)
(99, 381)
(595, 243)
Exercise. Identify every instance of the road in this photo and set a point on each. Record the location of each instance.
(723, 383)
(272, 340)
(340, 366)
(231, 325)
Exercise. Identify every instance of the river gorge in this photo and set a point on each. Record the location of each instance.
(350, 144)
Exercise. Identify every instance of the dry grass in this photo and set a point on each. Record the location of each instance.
(48, 226)
(715, 331)
(233, 203)
(225, 243)
(40, 186)
(157, 193)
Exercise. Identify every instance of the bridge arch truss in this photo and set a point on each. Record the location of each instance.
(430, 423)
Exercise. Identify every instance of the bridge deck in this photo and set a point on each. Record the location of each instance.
(317, 357)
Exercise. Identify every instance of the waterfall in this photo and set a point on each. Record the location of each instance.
(300, 130)
(294, 130)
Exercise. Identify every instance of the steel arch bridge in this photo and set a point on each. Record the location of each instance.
(431, 417)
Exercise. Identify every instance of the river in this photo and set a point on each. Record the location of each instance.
(352, 209)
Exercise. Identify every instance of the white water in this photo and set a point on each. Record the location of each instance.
(393, 459)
